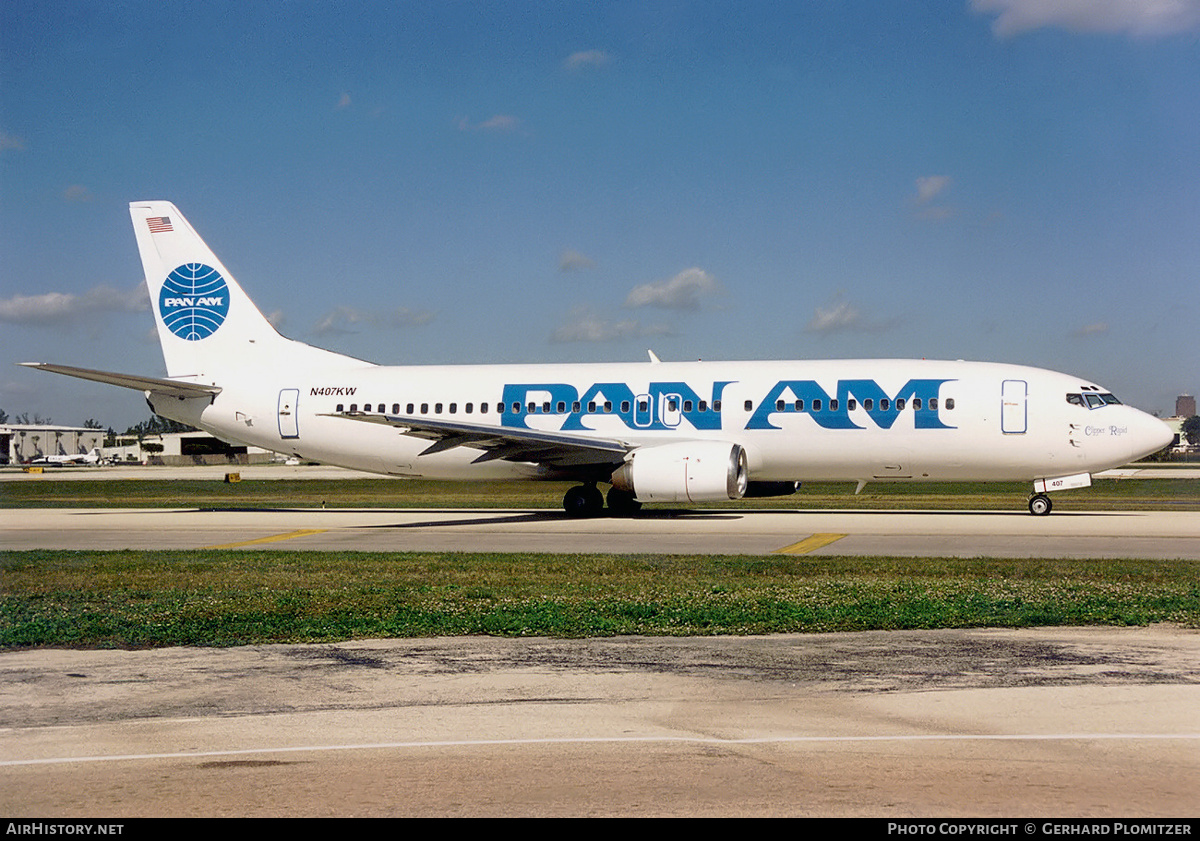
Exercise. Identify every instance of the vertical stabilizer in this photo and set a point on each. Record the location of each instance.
(207, 325)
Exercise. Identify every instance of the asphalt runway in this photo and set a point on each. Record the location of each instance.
(1064, 722)
(1162, 535)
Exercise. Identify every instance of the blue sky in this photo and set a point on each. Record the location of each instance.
(1010, 180)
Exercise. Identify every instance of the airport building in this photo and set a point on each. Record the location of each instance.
(23, 442)
(182, 448)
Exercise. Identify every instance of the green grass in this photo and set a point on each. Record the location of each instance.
(221, 598)
(39, 492)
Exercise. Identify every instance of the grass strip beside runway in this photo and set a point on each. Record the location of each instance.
(45, 492)
(229, 597)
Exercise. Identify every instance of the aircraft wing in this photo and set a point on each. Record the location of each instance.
(171, 388)
(497, 442)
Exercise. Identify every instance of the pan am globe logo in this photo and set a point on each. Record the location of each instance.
(194, 301)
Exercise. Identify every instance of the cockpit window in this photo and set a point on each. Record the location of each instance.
(1092, 400)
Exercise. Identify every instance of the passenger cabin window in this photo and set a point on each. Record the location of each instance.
(340, 407)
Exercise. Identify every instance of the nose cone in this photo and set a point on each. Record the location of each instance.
(1121, 434)
(1149, 435)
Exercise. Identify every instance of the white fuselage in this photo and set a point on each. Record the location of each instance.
(855, 420)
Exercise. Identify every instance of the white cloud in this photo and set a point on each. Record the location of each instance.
(842, 316)
(77, 193)
(56, 308)
(10, 141)
(585, 59)
(585, 325)
(496, 123)
(343, 102)
(573, 261)
(1148, 18)
(682, 292)
(341, 320)
(928, 187)
(1099, 328)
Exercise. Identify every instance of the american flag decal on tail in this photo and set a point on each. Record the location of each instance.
(159, 224)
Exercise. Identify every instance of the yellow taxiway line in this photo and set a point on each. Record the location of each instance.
(810, 544)
(269, 539)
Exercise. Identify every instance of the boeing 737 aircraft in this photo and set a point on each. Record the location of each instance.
(655, 431)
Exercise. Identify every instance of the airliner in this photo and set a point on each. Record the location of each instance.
(655, 432)
(93, 458)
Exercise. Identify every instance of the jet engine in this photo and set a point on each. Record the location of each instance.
(690, 471)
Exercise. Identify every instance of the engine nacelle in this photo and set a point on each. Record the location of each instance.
(691, 471)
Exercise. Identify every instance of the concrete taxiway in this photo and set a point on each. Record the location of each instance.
(1064, 722)
(1161, 535)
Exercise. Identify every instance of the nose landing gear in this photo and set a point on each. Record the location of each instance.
(1040, 505)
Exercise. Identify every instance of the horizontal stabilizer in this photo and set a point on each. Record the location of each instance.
(171, 388)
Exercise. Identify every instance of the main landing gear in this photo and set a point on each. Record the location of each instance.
(1040, 505)
(588, 501)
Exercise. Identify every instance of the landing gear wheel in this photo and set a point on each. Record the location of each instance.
(583, 501)
(621, 503)
(1040, 505)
